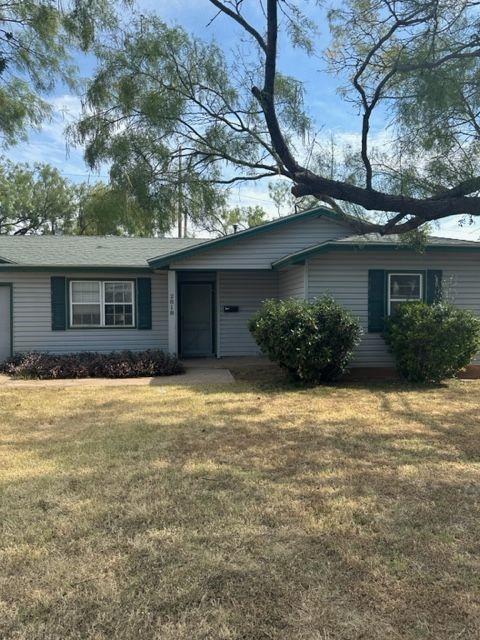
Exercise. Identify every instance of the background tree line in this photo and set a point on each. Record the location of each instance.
(38, 199)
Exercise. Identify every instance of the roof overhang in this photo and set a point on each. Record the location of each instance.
(163, 261)
(300, 256)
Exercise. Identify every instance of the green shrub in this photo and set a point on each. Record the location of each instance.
(118, 364)
(314, 341)
(432, 342)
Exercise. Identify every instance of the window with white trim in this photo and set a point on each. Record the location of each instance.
(96, 303)
(403, 287)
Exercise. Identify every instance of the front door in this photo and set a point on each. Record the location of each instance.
(5, 323)
(196, 319)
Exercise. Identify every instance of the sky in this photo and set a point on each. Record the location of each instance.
(331, 115)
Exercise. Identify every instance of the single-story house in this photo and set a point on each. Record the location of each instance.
(193, 297)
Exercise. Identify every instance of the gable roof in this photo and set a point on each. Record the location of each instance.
(86, 252)
(91, 253)
(374, 241)
(163, 260)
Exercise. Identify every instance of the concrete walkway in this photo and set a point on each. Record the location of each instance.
(234, 362)
(192, 376)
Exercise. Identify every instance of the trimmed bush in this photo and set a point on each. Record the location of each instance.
(432, 342)
(314, 341)
(121, 364)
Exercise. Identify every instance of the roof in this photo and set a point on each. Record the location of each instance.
(371, 241)
(163, 260)
(120, 253)
(398, 240)
(86, 251)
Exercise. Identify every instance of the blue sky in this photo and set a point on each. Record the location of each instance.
(331, 115)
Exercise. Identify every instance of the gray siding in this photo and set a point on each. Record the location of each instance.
(345, 277)
(259, 251)
(247, 290)
(291, 282)
(32, 319)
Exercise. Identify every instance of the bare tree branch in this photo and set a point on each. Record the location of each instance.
(241, 21)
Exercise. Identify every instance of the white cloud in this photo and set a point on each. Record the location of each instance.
(68, 106)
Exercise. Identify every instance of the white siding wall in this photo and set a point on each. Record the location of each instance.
(259, 251)
(247, 290)
(345, 277)
(291, 282)
(32, 318)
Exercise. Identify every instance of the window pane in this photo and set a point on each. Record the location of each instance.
(128, 292)
(118, 292)
(86, 314)
(86, 291)
(118, 315)
(108, 293)
(406, 287)
(109, 313)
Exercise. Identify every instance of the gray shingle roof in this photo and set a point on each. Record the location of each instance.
(374, 241)
(376, 238)
(88, 251)
(112, 251)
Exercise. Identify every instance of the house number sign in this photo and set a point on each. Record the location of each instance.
(172, 304)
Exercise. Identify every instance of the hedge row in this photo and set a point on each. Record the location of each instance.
(314, 341)
(120, 364)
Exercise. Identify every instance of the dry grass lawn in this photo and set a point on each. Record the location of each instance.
(240, 512)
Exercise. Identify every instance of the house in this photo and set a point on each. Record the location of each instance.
(194, 297)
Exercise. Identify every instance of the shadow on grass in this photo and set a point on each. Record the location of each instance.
(274, 379)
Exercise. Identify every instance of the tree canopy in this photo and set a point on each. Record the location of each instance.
(169, 109)
(38, 199)
(34, 199)
(227, 220)
(37, 38)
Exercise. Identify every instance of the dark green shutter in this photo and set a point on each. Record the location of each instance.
(58, 286)
(144, 303)
(376, 300)
(434, 286)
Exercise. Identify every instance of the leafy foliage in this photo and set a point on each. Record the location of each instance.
(118, 364)
(36, 41)
(422, 67)
(314, 341)
(176, 122)
(175, 114)
(38, 199)
(230, 219)
(34, 199)
(105, 210)
(432, 342)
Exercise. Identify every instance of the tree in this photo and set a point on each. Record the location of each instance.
(36, 199)
(285, 202)
(280, 194)
(238, 118)
(36, 39)
(103, 210)
(39, 200)
(232, 219)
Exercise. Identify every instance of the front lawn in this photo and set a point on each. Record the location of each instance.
(242, 512)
